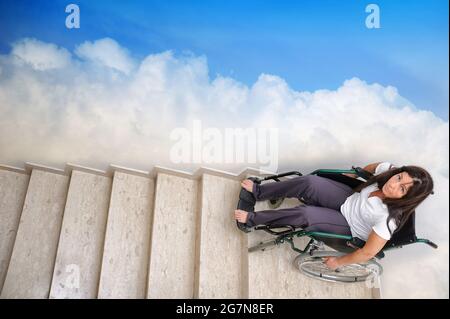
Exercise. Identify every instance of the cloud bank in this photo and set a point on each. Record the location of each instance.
(97, 105)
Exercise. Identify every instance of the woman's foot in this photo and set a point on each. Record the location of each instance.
(247, 185)
(240, 215)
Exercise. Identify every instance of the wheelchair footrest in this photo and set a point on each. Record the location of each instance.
(247, 203)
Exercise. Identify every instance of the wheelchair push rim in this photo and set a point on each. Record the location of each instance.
(313, 265)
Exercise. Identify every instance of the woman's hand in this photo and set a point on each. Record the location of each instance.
(373, 245)
(332, 262)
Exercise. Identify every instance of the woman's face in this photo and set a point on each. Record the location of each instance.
(398, 185)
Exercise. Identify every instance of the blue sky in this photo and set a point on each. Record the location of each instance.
(311, 44)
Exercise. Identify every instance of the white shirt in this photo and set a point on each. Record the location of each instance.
(364, 214)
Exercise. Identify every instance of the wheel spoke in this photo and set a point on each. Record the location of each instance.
(314, 266)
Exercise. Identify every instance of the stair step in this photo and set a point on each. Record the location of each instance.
(222, 255)
(13, 188)
(80, 249)
(31, 267)
(172, 260)
(125, 233)
(127, 241)
(272, 273)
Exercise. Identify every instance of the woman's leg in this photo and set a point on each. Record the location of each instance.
(315, 190)
(311, 218)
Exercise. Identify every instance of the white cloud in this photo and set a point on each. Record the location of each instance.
(82, 114)
(106, 52)
(40, 55)
(417, 270)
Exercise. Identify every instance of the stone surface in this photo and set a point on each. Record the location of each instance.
(80, 249)
(31, 268)
(172, 258)
(222, 269)
(126, 251)
(115, 245)
(13, 187)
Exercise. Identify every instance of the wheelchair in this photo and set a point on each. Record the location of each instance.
(310, 258)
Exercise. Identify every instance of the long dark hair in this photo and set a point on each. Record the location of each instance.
(400, 209)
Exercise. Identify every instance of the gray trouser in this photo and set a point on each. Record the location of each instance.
(323, 197)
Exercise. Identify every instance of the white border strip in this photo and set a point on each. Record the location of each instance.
(131, 171)
(30, 166)
(71, 167)
(14, 169)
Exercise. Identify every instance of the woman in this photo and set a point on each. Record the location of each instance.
(372, 211)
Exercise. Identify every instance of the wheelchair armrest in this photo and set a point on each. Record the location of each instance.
(357, 243)
(269, 228)
(277, 176)
(362, 173)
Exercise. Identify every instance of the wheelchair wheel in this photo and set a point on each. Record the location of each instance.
(313, 265)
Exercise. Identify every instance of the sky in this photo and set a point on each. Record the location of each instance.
(311, 44)
(339, 94)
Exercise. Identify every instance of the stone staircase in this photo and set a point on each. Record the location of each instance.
(125, 233)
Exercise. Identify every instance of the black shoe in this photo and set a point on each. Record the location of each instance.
(246, 203)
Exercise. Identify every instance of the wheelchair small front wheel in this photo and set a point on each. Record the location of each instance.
(313, 265)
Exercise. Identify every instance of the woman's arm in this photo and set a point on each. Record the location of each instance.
(373, 245)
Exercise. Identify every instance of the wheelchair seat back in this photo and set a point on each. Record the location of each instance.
(405, 235)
